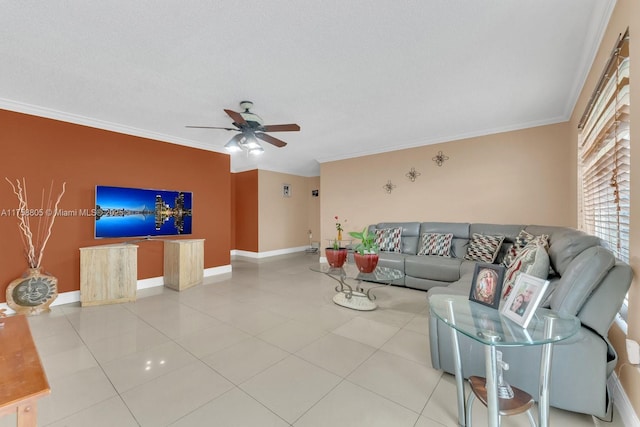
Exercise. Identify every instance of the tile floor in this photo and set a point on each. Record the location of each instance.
(264, 346)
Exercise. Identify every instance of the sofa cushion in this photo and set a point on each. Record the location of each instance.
(435, 244)
(431, 267)
(522, 239)
(460, 231)
(388, 239)
(410, 234)
(533, 259)
(483, 248)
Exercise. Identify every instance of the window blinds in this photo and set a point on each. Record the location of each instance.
(604, 155)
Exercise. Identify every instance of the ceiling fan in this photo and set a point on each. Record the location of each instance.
(251, 128)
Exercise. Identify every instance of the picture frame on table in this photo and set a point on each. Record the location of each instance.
(486, 286)
(524, 299)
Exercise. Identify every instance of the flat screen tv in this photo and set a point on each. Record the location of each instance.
(138, 212)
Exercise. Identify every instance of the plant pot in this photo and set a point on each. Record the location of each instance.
(366, 263)
(336, 257)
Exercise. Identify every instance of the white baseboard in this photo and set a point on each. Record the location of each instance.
(267, 254)
(66, 298)
(151, 282)
(74, 296)
(215, 271)
(622, 403)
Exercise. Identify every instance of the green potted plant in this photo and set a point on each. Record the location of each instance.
(366, 253)
(336, 255)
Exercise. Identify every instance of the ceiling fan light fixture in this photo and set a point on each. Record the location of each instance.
(251, 143)
(251, 128)
(256, 151)
(232, 146)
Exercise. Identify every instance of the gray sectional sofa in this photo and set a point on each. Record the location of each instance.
(586, 281)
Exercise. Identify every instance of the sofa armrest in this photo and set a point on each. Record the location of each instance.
(600, 310)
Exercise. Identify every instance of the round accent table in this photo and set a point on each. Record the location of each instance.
(485, 325)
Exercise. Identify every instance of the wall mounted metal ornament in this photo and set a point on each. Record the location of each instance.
(388, 187)
(440, 158)
(413, 174)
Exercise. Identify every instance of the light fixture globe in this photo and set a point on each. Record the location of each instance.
(251, 142)
(256, 151)
(233, 146)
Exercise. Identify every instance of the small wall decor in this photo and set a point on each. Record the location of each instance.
(388, 187)
(413, 174)
(440, 158)
(315, 193)
(286, 190)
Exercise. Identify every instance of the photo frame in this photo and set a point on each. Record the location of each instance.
(524, 299)
(286, 190)
(486, 286)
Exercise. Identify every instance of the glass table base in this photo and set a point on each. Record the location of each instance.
(357, 301)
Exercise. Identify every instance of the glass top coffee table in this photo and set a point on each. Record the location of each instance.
(356, 297)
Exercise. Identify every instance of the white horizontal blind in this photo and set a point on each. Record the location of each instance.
(604, 156)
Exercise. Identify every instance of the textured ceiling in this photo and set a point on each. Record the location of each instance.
(359, 77)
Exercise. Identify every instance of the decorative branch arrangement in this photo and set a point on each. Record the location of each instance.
(34, 244)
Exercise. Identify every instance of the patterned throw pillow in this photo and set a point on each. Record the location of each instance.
(388, 239)
(522, 240)
(435, 244)
(483, 248)
(533, 259)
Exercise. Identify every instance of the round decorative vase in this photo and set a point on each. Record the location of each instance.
(32, 293)
(336, 257)
(366, 263)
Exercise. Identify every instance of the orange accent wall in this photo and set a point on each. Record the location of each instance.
(246, 210)
(42, 150)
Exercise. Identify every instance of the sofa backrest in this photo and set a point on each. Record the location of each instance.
(564, 244)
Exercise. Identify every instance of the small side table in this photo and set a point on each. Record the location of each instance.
(463, 316)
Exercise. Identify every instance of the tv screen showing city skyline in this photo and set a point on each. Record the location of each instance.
(138, 212)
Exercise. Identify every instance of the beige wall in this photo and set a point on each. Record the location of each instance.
(626, 14)
(512, 177)
(527, 176)
(284, 222)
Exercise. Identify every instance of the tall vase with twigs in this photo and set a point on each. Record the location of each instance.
(35, 291)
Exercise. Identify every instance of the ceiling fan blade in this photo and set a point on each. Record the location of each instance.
(271, 140)
(237, 117)
(292, 127)
(209, 127)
